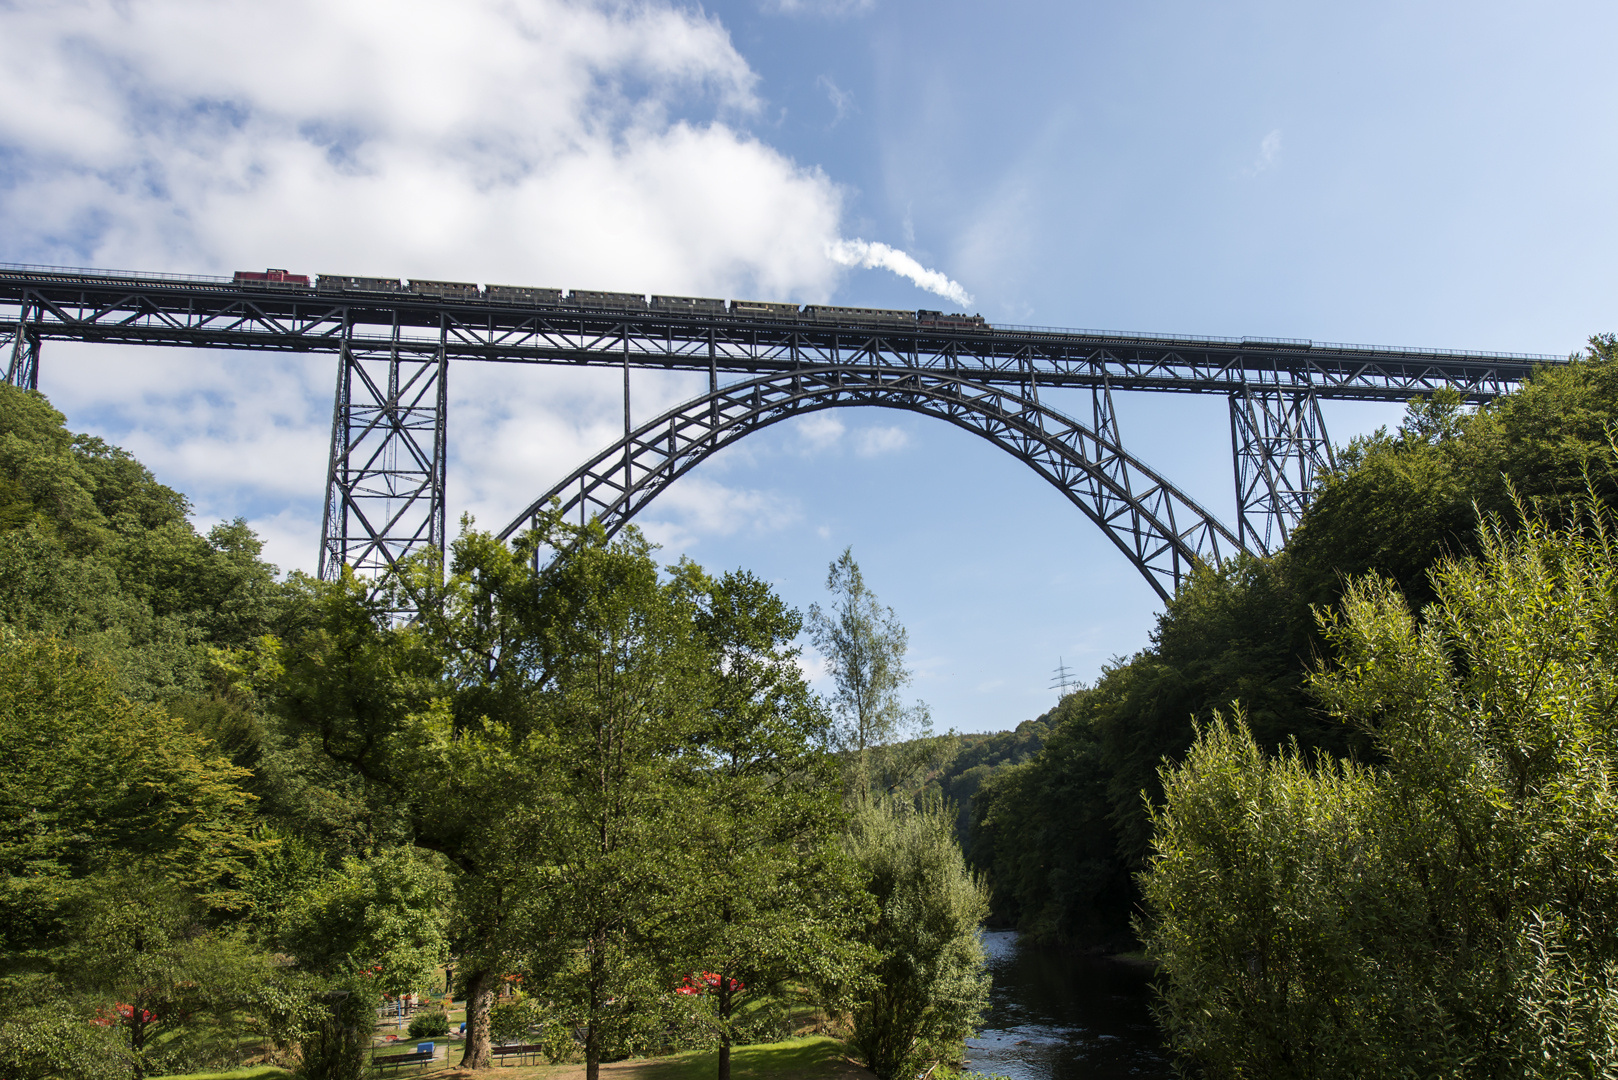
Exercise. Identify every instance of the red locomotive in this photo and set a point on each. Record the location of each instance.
(271, 277)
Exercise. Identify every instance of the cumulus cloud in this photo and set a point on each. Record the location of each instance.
(876, 255)
(697, 506)
(876, 441)
(819, 431)
(562, 143)
(540, 141)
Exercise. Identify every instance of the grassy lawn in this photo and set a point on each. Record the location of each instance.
(262, 1072)
(815, 1058)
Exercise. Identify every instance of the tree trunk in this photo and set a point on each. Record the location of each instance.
(725, 1007)
(479, 996)
(137, 1038)
(592, 1052)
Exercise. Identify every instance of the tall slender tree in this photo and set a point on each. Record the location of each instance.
(767, 893)
(863, 644)
(622, 696)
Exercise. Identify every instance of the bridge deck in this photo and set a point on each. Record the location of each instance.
(218, 313)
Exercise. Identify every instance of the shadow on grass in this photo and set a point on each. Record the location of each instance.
(262, 1072)
(796, 1059)
(815, 1058)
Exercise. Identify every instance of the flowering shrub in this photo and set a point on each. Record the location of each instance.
(693, 986)
(123, 1014)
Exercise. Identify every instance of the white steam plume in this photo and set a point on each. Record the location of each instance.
(874, 255)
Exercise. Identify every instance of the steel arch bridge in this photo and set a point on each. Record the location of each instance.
(394, 343)
(1160, 530)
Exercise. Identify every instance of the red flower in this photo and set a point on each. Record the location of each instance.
(704, 982)
(122, 1014)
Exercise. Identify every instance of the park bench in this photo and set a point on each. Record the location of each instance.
(517, 1050)
(396, 1061)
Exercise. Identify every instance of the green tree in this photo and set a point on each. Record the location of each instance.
(94, 550)
(92, 781)
(381, 699)
(927, 986)
(1451, 908)
(383, 917)
(185, 995)
(623, 696)
(863, 645)
(766, 893)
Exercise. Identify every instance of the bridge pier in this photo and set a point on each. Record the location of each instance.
(22, 363)
(1279, 443)
(385, 478)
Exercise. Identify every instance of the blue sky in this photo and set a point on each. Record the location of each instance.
(1396, 173)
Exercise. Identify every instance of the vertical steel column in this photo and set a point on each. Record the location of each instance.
(386, 479)
(628, 427)
(1279, 443)
(1105, 424)
(22, 366)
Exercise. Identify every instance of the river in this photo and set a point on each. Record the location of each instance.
(1054, 1016)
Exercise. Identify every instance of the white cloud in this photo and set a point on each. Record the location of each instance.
(1269, 154)
(566, 143)
(822, 8)
(874, 255)
(819, 431)
(875, 441)
(530, 141)
(698, 506)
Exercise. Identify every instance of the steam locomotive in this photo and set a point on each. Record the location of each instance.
(526, 296)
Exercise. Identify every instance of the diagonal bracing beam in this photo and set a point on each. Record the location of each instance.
(1279, 442)
(385, 478)
(22, 350)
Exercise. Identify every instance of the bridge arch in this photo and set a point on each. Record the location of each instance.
(1159, 529)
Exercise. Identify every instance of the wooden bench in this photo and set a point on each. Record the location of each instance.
(517, 1050)
(395, 1061)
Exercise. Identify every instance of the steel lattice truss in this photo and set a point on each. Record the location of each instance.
(385, 489)
(1279, 443)
(385, 483)
(216, 314)
(1160, 530)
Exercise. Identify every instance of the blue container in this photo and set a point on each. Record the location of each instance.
(424, 1048)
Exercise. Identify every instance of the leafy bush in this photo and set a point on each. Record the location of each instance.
(927, 986)
(511, 1021)
(428, 1025)
(1448, 911)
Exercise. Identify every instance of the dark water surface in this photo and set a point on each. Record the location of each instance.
(1053, 1016)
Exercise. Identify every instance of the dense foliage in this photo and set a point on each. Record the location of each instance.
(237, 811)
(1063, 835)
(928, 986)
(1450, 909)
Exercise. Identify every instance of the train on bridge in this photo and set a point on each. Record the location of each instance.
(526, 296)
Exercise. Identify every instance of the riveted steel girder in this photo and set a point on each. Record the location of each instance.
(217, 313)
(1158, 528)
